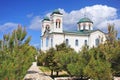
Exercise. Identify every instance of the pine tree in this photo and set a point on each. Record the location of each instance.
(16, 55)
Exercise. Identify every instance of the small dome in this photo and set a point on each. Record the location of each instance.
(85, 20)
(46, 19)
(56, 12)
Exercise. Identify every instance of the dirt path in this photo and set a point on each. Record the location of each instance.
(34, 73)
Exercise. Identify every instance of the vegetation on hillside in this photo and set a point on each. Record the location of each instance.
(98, 63)
(16, 55)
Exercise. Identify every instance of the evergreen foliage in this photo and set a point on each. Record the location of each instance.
(16, 55)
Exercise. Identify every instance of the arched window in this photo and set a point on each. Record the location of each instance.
(67, 42)
(85, 42)
(76, 42)
(79, 27)
(97, 41)
(47, 41)
(84, 26)
(47, 27)
(51, 42)
(58, 23)
(89, 26)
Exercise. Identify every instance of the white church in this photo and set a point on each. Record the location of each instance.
(53, 33)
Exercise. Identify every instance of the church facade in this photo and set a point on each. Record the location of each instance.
(52, 33)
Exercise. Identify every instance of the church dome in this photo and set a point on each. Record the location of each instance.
(46, 19)
(85, 20)
(56, 12)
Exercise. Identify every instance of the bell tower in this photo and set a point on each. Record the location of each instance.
(57, 22)
(46, 25)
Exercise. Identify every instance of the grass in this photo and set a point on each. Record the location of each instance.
(47, 71)
(44, 69)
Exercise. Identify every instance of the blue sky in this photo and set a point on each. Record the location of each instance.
(29, 13)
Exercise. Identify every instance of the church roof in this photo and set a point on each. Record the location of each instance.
(56, 12)
(46, 19)
(85, 19)
(80, 33)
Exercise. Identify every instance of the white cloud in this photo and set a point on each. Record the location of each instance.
(101, 15)
(103, 25)
(35, 23)
(6, 27)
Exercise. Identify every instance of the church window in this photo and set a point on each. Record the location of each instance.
(84, 25)
(89, 26)
(79, 26)
(47, 41)
(42, 43)
(85, 42)
(67, 42)
(58, 23)
(76, 42)
(51, 42)
(102, 39)
(97, 41)
(47, 27)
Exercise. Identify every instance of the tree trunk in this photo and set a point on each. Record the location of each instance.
(51, 72)
(81, 76)
(57, 73)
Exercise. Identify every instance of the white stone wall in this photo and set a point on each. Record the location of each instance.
(57, 39)
(60, 38)
(43, 44)
(72, 39)
(93, 36)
